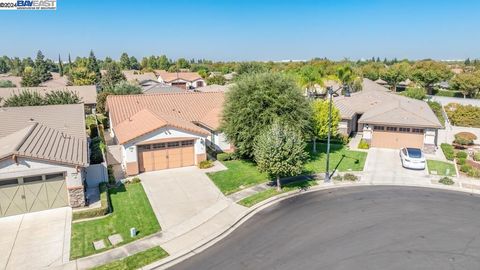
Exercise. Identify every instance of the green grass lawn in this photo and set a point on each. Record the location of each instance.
(242, 174)
(135, 261)
(131, 208)
(263, 195)
(441, 167)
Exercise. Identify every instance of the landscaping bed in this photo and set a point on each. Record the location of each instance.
(263, 195)
(135, 261)
(130, 208)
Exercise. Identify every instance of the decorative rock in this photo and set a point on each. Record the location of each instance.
(100, 244)
(115, 239)
(76, 196)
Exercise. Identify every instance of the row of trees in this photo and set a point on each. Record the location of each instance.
(30, 98)
(269, 121)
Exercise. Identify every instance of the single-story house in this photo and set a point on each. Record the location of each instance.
(161, 131)
(87, 93)
(388, 120)
(139, 77)
(184, 80)
(161, 88)
(55, 81)
(43, 156)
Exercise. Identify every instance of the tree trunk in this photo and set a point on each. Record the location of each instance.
(314, 145)
(279, 185)
(395, 87)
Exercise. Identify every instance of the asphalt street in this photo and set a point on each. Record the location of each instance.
(355, 228)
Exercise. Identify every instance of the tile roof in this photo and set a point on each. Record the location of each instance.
(55, 133)
(173, 76)
(379, 106)
(135, 75)
(88, 93)
(180, 110)
(161, 88)
(214, 88)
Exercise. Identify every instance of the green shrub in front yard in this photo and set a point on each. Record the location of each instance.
(363, 144)
(446, 181)
(448, 151)
(205, 164)
(95, 212)
(461, 161)
(462, 154)
(130, 208)
(350, 177)
(474, 172)
(476, 156)
(465, 168)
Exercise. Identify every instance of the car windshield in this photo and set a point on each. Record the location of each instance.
(414, 152)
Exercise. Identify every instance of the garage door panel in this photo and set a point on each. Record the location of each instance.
(167, 155)
(12, 200)
(396, 140)
(36, 197)
(56, 193)
(174, 157)
(187, 156)
(160, 159)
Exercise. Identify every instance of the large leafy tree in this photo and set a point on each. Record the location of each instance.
(280, 151)
(61, 97)
(258, 100)
(112, 76)
(429, 72)
(81, 75)
(372, 70)
(41, 68)
(134, 63)
(309, 76)
(3, 65)
(320, 121)
(467, 83)
(121, 88)
(125, 61)
(24, 98)
(29, 79)
(216, 79)
(396, 73)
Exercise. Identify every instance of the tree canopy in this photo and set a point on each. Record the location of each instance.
(280, 151)
(112, 76)
(467, 83)
(429, 72)
(32, 98)
(258, 100)
(396, 73)
(320, 119)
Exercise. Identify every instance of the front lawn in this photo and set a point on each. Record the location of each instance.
(263, 195)
(136, 261)
(242, 174)
(440, 167)
(131, 208)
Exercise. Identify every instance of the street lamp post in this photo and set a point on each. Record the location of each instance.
(330, 93)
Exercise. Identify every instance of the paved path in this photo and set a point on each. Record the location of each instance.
(35, 240)
(375, 227)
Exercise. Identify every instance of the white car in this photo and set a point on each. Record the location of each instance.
(412, 158)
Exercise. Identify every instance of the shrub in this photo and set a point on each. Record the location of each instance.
(465, 168)
(93, 131)
(363, 144)
(461, 154)
(344, 139)
(465, 138)
(111, 177)
(350, 177)
(95, 212)
(337, 177)
(461, 161)
(476, 157)
(438, 110)
(135, 180)
(474, 172)
(415, 93)
(463, 115)
(205, 164)
(448, 151)
(446, 181)
(225, 156)
(96, 155)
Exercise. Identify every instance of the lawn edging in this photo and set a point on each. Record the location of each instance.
(252, 211)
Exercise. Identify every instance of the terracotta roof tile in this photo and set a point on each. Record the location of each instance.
(172, 76)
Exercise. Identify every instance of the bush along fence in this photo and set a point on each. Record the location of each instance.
(96, 212)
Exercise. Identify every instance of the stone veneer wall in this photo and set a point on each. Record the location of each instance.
(76, 196)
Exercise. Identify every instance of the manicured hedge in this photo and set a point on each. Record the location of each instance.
(448, 151)
(463, 115)
(363, 144)
(462, 155)
(95, 212)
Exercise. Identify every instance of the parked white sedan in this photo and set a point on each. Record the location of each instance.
(412, 158)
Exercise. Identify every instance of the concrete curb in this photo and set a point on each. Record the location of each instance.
(174, 259)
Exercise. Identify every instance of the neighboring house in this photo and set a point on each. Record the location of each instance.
(161, 88)
(388, 120)
(56, 81)
(184, 80)
(139, 77)
(87, 93)
(214, 88)
(43, 154)
(162, 131)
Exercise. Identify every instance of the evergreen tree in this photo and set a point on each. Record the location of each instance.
(134, 63)
(92, 66)
(112, 76)
(29, 79)
(41, 70)
(60, 66)
(24, 98)
(125, 62)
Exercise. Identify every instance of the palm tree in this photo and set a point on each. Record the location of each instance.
(309, 76)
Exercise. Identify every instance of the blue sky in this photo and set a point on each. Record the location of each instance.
(248, 30)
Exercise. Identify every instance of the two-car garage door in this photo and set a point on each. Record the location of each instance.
(33, 193)
(396, 140)
(166, 155)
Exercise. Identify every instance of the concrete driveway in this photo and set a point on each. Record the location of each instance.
(182, 196)
(35, 240)
(385, 165)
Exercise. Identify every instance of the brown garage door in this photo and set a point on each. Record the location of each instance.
(159, 156)
(396, 140)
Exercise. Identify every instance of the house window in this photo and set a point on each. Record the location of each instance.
(417, 130)
(391, 128)
(199, 84)
(173, 144)
(402, 129)
(378, 128)
(32, 179)
(7, 182)
(56, 176)
(158, 146)
(143, 147)
(187, 143)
